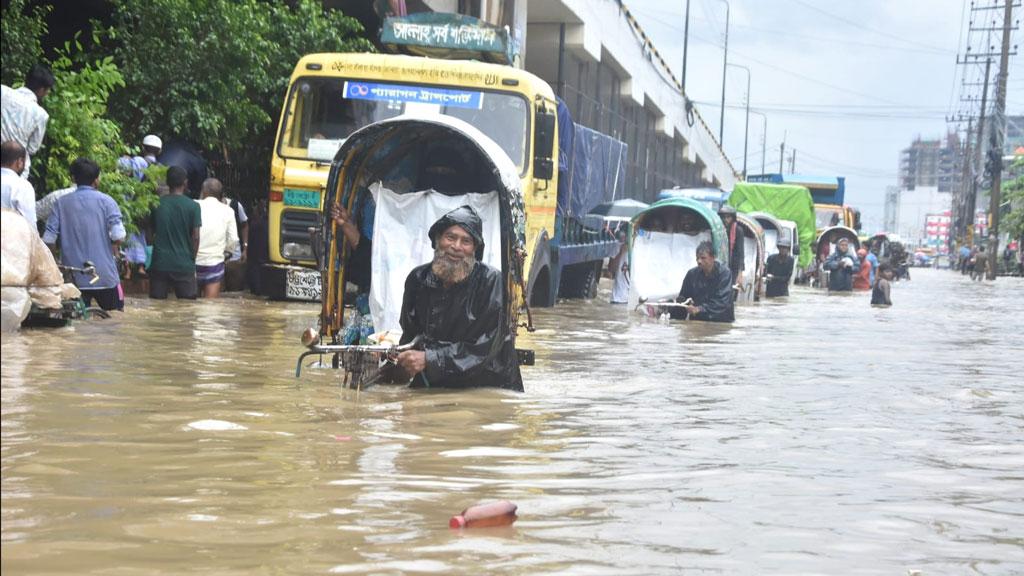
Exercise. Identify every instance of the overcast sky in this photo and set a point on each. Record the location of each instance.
(847, 83)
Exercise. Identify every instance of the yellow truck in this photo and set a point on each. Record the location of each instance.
(332, 95)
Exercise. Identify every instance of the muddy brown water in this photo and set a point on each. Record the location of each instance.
(817, 435)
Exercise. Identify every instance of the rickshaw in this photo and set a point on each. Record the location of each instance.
(383, 163)
(662, 249)
(753, 258)
(824, 246)
(775, 228)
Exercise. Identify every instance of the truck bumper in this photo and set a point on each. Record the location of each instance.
(285, 282)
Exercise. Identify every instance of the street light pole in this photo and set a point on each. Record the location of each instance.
(686, 38)
(746, 126)
(725, 60)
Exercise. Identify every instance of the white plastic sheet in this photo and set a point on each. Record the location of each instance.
(749, 270)
(400, 242)
(27, 270)
(659, 263)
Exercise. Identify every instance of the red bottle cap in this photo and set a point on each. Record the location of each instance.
(457, 522)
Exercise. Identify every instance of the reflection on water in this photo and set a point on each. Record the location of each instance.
(818, 435)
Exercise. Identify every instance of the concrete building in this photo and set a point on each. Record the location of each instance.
(931, 163)
(891, 216)
(599, 60)
(613, 79)
(914, 208)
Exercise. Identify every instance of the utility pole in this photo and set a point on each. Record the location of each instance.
(746, 124)
(725, 61)
(782, 152)
(979, 166)
(966, 178)
(792, 162)
(997, 150)
(686, 39)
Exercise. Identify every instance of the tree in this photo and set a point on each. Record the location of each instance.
(22, 29)
(220, 78)
(1013, 192)
(79, 126)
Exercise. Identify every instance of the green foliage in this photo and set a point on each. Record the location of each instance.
(1013, 192)
(21, 28)
(219, 79)
(79, 126)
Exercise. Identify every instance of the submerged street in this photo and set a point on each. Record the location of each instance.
(814, 436)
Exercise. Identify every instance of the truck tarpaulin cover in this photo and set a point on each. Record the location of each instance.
(783, 201)
(592, 168)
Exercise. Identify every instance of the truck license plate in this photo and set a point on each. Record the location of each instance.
(302, 198)
(302, 284)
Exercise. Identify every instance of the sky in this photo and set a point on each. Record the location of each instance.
(848, 84)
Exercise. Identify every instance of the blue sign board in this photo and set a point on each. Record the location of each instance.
(419, 94)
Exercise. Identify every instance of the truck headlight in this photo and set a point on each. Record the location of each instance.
(296, 251)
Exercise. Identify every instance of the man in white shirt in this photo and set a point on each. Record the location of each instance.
(22, 119)
(218, 237)
(17, 193)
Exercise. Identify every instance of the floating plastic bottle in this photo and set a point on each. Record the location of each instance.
(501, 513)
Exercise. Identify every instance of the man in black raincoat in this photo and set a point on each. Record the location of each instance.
(709, 286)
(456, 302)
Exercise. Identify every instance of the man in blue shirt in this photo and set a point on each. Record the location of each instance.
(90, 228)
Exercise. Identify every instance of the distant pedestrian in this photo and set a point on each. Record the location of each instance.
(22, 118)
(965, 257)
(872, 258)
(980, 264)
(176, 223)
(881, 294)
(136, 249)
(18, 194)
(735, 234)
(218, 238)
(241, 228)
(862, 278)
(619, 268)
(89, 227)
(137, 165)
(779, 269)
(842, 264)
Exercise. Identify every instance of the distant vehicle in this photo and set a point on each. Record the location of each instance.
(664, 245)
(782, 202)
(713, 198)
(564, 169)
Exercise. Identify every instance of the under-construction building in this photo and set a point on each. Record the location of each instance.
(931, 163)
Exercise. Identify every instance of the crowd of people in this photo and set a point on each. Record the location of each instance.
(183, 246)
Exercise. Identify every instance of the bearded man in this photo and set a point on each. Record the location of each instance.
(455, 302)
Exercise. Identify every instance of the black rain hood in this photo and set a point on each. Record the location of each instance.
(463, 216)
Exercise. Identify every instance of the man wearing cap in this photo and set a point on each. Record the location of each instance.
(456, 302)
(151, 146)
(779, 269)
(736, 265)
(842, 265)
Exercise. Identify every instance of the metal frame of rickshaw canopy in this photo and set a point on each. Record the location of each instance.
(359, 162)
(714, 221)
(750, 223)
(836, 231)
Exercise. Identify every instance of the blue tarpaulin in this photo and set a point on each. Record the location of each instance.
(595, 170)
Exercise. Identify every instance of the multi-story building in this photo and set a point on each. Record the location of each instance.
(931, 163)
(892, 209)
(915, 207)
(937, 230)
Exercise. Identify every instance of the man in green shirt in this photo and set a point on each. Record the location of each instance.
(176, 223)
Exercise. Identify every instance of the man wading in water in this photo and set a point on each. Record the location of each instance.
(455, 303)
(708, 285)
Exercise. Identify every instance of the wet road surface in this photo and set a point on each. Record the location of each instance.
(817, 435)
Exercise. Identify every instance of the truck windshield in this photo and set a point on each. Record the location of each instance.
(827, 217)
(322, 112)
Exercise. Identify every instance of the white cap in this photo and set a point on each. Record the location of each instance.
(153, 141)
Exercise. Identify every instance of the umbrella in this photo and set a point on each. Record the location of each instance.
(623, 209)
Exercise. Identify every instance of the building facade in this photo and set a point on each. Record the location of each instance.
(931, 163)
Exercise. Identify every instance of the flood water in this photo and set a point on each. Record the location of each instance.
(814, 436)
